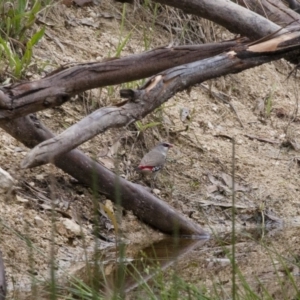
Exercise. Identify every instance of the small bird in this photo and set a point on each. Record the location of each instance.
(154, 160)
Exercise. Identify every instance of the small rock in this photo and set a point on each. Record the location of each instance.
(210, 126)
(156, 191)
(69, 120)
(38, 221)
(68, 228)
(47, 115)
(21, 199)
(6, 182)
(39, 177)
(184, 114)
(214, 108)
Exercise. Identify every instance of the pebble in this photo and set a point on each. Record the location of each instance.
(38, 221)
(6, 182)
(156, 191)
(68, 228)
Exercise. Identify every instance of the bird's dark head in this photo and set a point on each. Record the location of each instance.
(166, 145)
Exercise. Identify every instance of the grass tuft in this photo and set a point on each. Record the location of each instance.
(18, 33)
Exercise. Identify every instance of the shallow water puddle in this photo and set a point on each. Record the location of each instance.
(129, 272)
(158, 257)
(267, 262)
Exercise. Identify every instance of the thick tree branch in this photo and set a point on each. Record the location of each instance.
(234, 17)
(24, 98)
(157, 91)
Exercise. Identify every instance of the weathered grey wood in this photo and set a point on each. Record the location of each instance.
(273, 10)
(234, 17)
(24, 98)
(157, 91)
(151, 210)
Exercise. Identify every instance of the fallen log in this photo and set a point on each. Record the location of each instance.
(151, 210)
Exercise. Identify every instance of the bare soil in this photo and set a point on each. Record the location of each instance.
(195, 180)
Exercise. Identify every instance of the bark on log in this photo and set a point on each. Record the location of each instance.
(153, 211)
(24, 98)
(157, 91)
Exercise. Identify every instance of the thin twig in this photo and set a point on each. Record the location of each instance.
(252, 137)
